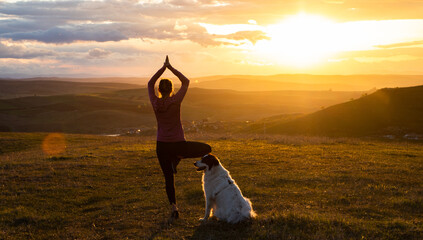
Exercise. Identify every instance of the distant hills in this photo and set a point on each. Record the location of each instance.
(49, 87)
(280, 82)
(305, 82)
(71, 113)
(81, 107)
(387, 111)
(111, 111)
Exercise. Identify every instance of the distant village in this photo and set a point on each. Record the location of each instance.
(206, 126)
(201, 126)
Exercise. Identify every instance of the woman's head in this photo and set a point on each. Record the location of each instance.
(165, 87)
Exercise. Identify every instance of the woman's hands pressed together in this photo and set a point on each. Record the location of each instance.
(167, 63)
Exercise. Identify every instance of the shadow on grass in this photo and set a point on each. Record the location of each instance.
(214, 229)
(298, 227)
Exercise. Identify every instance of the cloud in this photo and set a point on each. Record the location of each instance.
(98, 53)
(69, 22)
(385, 53)
(49, 35)
(9, 25)
(334, 1)
(101, 21)
(252, 36)
(397, 58)
(183, 2)
(98, 33)
(403, 44)
(21, 52)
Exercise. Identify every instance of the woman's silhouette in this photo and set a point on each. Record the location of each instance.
(171, 144)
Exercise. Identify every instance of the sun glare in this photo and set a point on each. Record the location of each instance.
(300, 40)
(304, 40)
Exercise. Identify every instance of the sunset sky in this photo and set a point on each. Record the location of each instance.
(210, 37)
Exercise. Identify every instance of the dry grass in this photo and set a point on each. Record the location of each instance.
(301, 188)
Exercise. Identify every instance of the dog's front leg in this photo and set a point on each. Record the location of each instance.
(208, 209)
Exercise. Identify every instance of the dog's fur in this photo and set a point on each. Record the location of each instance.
(222, 194)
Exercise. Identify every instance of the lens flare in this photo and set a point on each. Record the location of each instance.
(54, 144)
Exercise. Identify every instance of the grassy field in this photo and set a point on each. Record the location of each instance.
(102, 187)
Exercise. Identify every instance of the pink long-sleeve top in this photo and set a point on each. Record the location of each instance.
(168, 110)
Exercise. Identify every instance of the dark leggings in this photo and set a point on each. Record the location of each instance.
(171, 151)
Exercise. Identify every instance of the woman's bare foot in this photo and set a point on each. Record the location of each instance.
(175, 211)
(175, 163)
(174, 214)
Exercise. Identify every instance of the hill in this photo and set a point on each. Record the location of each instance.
(229, 105)
(71, 113)
(111, 112)
(307, 82)
(280, 82)
(387, 111)
(48, 87)
(242, 84)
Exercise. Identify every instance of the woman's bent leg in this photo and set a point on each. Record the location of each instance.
(194, 149)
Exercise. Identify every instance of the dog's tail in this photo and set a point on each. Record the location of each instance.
(253, 214)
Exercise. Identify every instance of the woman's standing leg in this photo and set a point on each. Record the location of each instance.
(165, 164)
(166, 158)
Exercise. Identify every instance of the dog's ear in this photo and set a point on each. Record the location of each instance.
(211, 160)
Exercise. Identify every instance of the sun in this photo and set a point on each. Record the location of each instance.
(300, 40)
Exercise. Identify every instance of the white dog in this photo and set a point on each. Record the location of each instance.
(222, 194)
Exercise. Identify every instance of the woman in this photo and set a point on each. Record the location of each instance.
(171, 144)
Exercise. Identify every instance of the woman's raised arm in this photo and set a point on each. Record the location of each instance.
(153, 81)
(184, 80)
